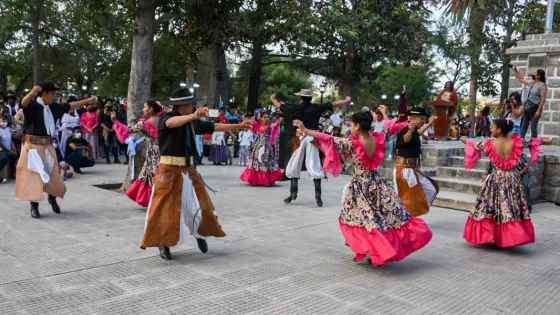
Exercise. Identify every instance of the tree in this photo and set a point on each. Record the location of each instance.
(477, 13)
(346, 40)
(532, 17)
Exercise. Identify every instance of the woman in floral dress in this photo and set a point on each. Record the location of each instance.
(141, 190)
(263, 169)
(373, 220)
(500, 213)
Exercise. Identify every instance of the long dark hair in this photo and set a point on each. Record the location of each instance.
(451, 85)
(542, 75)
(486, 111)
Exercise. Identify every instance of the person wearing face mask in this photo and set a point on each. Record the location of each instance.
(36, 170)
(378, 121)
(536, 97)
(346, 130)
(109, 135)
(90, 129)
(513, 109)
(73, 151)
(8, 155)
(68, 122)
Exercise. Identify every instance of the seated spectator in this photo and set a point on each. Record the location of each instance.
(63, 167)
(8, 155)
(73, 151)
(454, 130)
(465, 126)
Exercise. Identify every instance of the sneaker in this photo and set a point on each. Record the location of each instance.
(4, 180)
(390, 157)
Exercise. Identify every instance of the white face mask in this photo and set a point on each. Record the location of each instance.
(78, 135)
(3, 124)
(55, 145)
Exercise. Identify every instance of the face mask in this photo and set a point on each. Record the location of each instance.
(55, 145)
(347, 123)
(533, 77)
(78, 135)
(3, 124)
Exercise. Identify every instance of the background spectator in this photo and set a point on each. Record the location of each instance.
(483, 123)
(536, 97)
(74, 147)
(8, 155)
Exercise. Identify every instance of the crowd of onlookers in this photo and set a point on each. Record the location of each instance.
(84, 135)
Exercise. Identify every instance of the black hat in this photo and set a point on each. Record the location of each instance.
(11, 96)
(48, 87)
(417, 111)
(181, 96)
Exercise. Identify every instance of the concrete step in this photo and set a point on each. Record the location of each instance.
(454, 200)
(467, 186)
(459, 161)
(459, 172)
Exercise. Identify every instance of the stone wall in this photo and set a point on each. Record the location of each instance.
(540, 51)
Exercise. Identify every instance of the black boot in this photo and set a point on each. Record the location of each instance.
(202, 245)
(317, 183)
(165, 253)
(35, 210)
(293, 190)
(54, 204)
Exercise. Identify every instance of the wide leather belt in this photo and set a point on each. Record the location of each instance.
(412, 162)
(39, 140)
(176, 160)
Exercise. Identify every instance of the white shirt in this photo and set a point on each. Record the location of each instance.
(69, 121)
(218, 138)
(246, 138)
(336, 119)
(6, 137)
(378, 126)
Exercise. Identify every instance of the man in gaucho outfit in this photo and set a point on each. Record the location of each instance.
(37, 167)
(303, 148)
(179, 195)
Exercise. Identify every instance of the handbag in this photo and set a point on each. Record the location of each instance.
(528, 104)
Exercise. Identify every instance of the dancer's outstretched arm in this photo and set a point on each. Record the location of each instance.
(179, 121)
(305, 131)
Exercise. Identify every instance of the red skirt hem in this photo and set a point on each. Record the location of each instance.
(504, 235)
(258, 178)
(140, 192)
(389, 246)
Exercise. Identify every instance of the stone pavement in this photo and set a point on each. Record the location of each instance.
(276, 259)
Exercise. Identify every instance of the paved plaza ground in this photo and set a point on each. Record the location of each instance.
(276, 259)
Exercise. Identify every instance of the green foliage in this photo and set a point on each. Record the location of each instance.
(533, 16)
(281, 79)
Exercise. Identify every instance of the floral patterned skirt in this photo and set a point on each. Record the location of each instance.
(262, 169)
(374, 221)
(500, 213)
(141, 190)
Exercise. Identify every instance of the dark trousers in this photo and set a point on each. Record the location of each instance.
(525, 180)
(7, 158)
(529, 118)
(78, 161)
(112, 145)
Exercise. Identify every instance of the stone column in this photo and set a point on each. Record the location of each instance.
(540, 51)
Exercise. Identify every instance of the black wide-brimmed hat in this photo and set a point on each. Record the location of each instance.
(417, 111)
(181, 96)
(48, 87)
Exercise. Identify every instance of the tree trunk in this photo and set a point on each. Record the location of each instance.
(140, 82)
(37, 58)
(207, 74)
(507, 44)
(349, 80)
(21, 84)
(255, 78)
(476, 29)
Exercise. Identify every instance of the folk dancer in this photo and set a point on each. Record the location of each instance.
(373, 220)
(305, 149)
(416, 191)
(179, 195)
(37, 168)
(501, 212)
(141, 190)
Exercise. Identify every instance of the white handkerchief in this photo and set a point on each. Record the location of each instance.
(410, 177)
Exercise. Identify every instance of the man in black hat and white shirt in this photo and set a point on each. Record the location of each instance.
(416, 190)
(305, 148)
(37, 168)
(179, 195)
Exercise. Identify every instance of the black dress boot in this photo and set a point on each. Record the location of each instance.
(293, 190)
(35, 210)
(54, 204)
(165, 253)
(202, 245)
(317, 183)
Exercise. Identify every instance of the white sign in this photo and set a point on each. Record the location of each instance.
(214, 113)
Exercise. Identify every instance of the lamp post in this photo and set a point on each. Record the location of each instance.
(95, 89)
(322, 89)
(84, 87)
(182, 84)
(26, 90)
